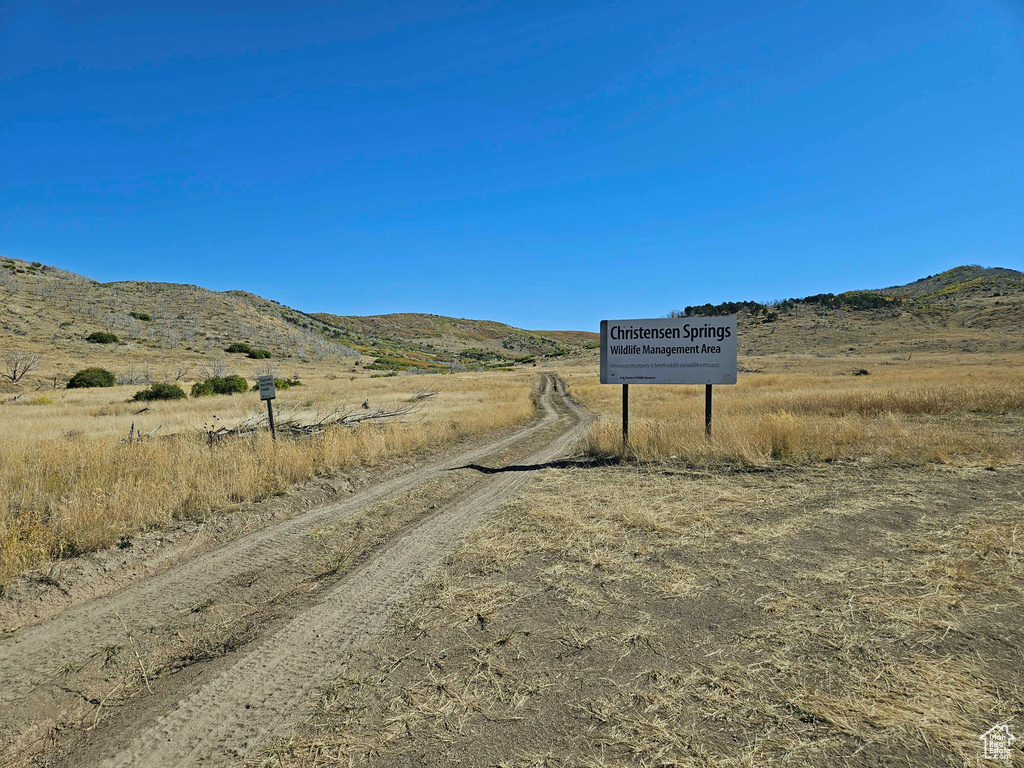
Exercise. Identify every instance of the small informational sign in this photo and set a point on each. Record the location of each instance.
(676, 350)
(267, 389)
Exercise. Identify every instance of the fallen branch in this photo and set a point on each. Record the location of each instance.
(423, 394)
(287, 420)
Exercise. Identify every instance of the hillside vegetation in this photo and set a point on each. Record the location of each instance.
(435, 341)
(964, 310)
(167, 330)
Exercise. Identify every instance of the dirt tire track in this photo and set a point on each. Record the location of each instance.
(28, 660)
(257, 698)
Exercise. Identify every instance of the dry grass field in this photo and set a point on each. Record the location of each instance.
(834, 579)
(932, 408)
(70, 483)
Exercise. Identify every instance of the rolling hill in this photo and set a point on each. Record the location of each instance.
(173, 330)
(963, 310)
(434, 340)
(164, 325)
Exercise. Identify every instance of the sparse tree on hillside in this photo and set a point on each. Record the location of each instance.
(217, 369)
(16, 363)
(267, 369)
(145, 376)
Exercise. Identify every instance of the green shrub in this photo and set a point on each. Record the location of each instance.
(231, 384)
(145, 316)
(92, 377)
(102, 337)
(240, 348)
(202, 388)
(160, 391)
(220, 385)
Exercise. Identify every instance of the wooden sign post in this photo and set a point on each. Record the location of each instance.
(268, 392)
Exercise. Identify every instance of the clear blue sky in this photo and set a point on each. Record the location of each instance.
(543, 164)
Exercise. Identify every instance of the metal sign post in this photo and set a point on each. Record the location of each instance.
(625, 418)
(707, 410)
(268, 392)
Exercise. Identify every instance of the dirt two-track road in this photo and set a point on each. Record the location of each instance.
(223, 707)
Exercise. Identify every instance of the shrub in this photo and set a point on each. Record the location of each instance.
(231, 384)
(220, 385)
(92, 377)
(43, 400)
(279, 384)
(145, 316)
(160, 391)
(102, 337)
(239, 348)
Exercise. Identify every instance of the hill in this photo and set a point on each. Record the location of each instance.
(409, 339)
(967, 309)
(970, 280)
(177, 331)
(172, 330)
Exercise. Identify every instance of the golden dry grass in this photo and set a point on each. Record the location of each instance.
(932, 410)
(69, 484)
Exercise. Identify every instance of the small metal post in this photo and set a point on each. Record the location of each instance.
(270, 416)
(707, 410)
(625, 418)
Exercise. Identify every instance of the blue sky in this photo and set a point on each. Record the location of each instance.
(542, 164)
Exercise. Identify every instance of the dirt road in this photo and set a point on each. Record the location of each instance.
(221, 710)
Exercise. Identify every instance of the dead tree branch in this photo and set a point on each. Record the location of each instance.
(16, 363)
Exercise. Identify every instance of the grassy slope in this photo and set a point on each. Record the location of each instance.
(962, 311)
(436, 337)
(51, 311)
(48, 310)
(967, 279)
